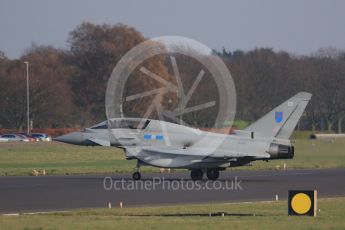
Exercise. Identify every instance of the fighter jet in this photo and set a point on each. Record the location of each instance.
(168, 145)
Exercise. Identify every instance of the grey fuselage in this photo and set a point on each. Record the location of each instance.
(168, 145)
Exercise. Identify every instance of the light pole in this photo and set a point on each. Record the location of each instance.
(27, 97)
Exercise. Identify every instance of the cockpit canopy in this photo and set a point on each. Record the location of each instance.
(124, 123)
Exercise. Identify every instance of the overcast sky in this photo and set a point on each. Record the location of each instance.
(296, 26)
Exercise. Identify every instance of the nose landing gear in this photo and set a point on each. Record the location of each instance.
(137, 175)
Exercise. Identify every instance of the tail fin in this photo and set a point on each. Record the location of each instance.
(282, 120)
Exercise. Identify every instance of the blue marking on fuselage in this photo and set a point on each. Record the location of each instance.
(147, 136)
(159, 137)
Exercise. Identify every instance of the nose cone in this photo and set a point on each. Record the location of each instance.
(75, 138)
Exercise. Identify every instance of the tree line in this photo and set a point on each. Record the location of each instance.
(67, 86)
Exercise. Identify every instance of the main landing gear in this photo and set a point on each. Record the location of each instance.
(197, 174)
(212, 174)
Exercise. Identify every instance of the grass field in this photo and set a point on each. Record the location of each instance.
(269, 215)
(59, 159)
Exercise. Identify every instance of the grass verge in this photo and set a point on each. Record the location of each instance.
(268, 215)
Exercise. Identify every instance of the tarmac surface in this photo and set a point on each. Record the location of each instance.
(50, 193)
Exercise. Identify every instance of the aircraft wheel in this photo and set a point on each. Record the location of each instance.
(196, 174)
(136, 176)
(213, 174)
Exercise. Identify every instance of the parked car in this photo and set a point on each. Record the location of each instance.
(30, 137)
(41, 136)
(15, 137)
(3, 139)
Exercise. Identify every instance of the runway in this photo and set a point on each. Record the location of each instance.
(48, 193)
